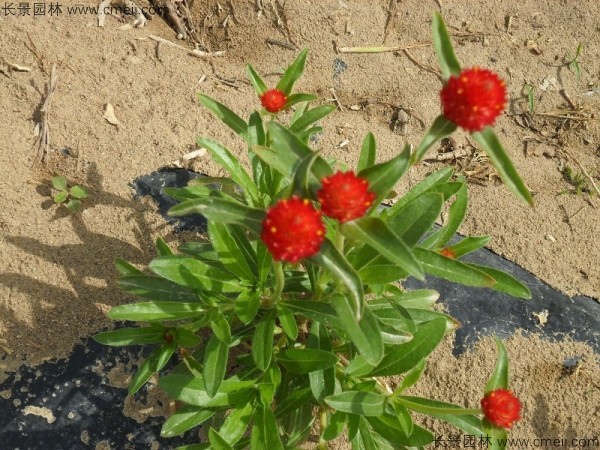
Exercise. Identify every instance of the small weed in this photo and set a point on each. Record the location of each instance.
(70, 198)
(528, 91)
(577, 180)
(573, 63)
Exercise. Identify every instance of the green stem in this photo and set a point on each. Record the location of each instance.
(279, 282)
(339, 241)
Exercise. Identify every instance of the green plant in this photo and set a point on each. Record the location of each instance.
(70, 198)
(577, 180)
(297, 284)
(573, 63)
(528, 90)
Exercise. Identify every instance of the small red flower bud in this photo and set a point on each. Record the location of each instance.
(448, 253)
(473, 99)
(273, 100)
(344, 196)
(293, 229)
(501, 408)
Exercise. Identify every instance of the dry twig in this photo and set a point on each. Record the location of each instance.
(42, 142)
(195, 52)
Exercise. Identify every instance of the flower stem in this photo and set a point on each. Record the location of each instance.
(279, 282)
(339, 241)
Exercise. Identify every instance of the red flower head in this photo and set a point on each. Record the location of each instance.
(273, 100)
(345, 197)
(501, 408)
(293, 229)
(473, 99)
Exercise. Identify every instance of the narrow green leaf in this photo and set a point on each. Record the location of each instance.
(234, 249)
(452, 270)
(364, 333)
(495, 438)
(449, 65)
(262, 342)
(282, 162)
(375, 233)
(416, 218)
(292, 73)
(287, 321)
(304, 183)
(335, 262)
(155, 311)
(187, 338)
(78, 192)
(156, 288)
(217, 442)
(364, 439)
(259, 85)
(124, 268)
(499, 377)
(246, 305)
(153, 363)
(425, 315)
(359, 366)
(440, 128)
(184, 419)
(293, 401)
(308, 134)
(322, 382)
(310, 117)
(227, 116)
(59, 183)
(456, 215)
(299, 98)
(215, 364)
(420, 298)
(391, 430)
(231, 164)
(221, 210)
(162, 248)
(335, 425)
(404, 417)
(404, 357)
(383, 177)
(190, 390)
(235, 425)
(504, 282)
(297, 360)
(361, 403)
(493, 149)
(316, 311)
(468, 245)
(265, 435)
(436, 178)
(131, 336)
(368, 153)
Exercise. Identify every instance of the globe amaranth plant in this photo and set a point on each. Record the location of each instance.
(297, 284)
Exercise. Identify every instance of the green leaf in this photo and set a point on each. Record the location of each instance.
(154, 363)
(306, 135)
(359, 366)
(297, 360)
(293, 401)
(234, 249)
(456, 215)
(449, 65)
(235, 425)
(496, 436)
(364, 333)
(265, 435)
(440, 128)
(376, 274)
(146, 312)
(184, 419)
(262, 342)
(499, 377)
(493, 149)
(425, 315)
(61, 197)
(504, 282)
(59, 183)
(227, 116)
(190, 390)
(363, 439)
(221, 210)
(404, 417)
(124, 268)
(420, 298)
(383, 177)
(287, 321)
(299, 98)
(187, 338)
(195, 274)
(310, 117)
(246, 305)
(391, 430)
(230, 163)
(259, 85)
(215, 364)
(322, 382)
(452, 270)
(334, 261)
(368, 153)
(74, 206)
(416, 218)
(156, 288)
(304, 183)
(335, 425)
(468, 245)
(217, 442)
(78, 192)
(375, 233)
(392, 314)
(282, 162)
(131, 336)
(462, 418)
(404, 357)
(436, 178)
(292, 73)
(316, 311)
(356, 402)
(163, 248)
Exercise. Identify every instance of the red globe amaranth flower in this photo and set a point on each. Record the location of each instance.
(501, 408)
(293, 229)
(344, 196)
(273, 100)
(473, 99)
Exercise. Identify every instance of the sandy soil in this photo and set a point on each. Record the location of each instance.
(56, 271)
